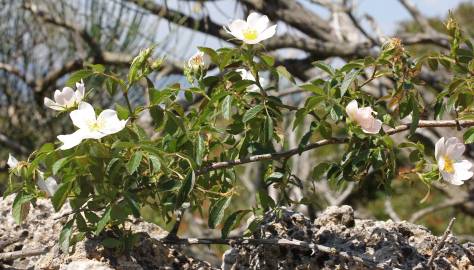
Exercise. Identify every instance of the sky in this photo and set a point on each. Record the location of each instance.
(390, 12)
(387, 13)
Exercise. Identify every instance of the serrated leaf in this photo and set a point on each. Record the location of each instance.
(233, 221)
(59, 164)
(469, 136)
(186, 188)
(155, 162)
(227, 107)
(65, 236)
(284, 72)
(20, 207)
(78, 76)
(200, 149)
(134, 162)
(325, 67)
(61, 194)
(252, 112)
(103, 221)
(217, 210)
(348, 79)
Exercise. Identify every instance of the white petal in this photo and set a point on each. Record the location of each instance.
(80, 92)
(71, 140)
(261, 24)
(365, 113)
(83, 116)
(12, 161)
(236, 28)
(450, 178)
(440, 149)
(463, 175)
(454, 148)
(65, 97)
(253, 18)
(463, 165)
(53, 105)
(268, 33)
(109, 122)
(441, 163)
(352, 109)
(371, 126)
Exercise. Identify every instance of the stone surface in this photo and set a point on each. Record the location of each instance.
(40, 229)
(391, 245)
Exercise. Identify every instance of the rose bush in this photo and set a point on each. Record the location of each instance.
(110, 168)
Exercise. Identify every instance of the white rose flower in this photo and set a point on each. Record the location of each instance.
(363, 117)
(199, 60)
(453, 168)
(252, 31)
(66, 98)
(12, 161)
(90, 126)
(247, 75)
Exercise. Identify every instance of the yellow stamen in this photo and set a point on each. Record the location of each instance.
(250, 34)
(448, 165)
(95, 126)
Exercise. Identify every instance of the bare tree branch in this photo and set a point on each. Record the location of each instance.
(294, 151)
(428, 210)
(278, 242)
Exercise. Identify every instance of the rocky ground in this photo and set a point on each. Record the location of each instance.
(285, 240)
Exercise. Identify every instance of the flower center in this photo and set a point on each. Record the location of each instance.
(448, 164)
(250, 34)
(95, 126)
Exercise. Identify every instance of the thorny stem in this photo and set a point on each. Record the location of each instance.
(298, 150)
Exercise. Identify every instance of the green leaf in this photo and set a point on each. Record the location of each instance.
(325, 67)
(320, 170)
(227, 107)
(348, 79)
(134, 162)
(469, 136)
(158, 115)
(21, 206)
(60, 196)
(415, 116)
(284, 72)
(59, 164)
(217, 210)
(134, 206)
(265, 200)
(65, 236)
(269, 60)
(233, 221)
(155, 162)
(77, 76)
(103, 221)
(122, 111)
(200, 149)
(186, 188)
(251, 113)
(268, 129)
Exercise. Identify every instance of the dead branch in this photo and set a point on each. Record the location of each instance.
(441, 243)
(428, 210)
(280, 242)
(294, 151)
(23, 253)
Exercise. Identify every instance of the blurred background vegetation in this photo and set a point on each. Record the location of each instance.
(44, 41)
